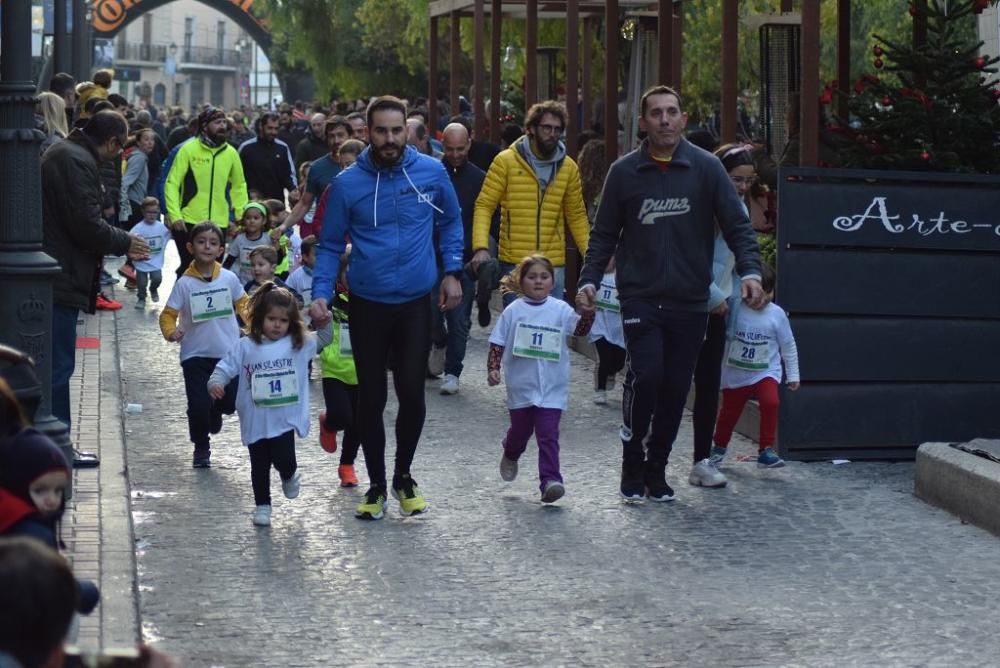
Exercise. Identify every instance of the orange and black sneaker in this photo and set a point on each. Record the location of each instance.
(105, 304)
(327, 438)
(348, 478)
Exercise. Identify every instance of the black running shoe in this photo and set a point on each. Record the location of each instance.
(657, 488)
(632, 486)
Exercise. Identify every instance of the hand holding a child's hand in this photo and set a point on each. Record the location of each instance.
(216, 391)
(176, 336)
(585, 299)
(493, 378)
(753, 293)
(319, 312)
(793, 386)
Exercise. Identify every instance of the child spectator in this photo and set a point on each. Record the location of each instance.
(607, 335)
(271, 366)
(149, 272)
(530, 341)
(201, 314)
(254, 219)
(348, 152)
(340, 386)
(761, 341)
(34, 475)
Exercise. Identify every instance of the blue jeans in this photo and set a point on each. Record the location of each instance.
(558, 286)
(63, 358)
(451, 328)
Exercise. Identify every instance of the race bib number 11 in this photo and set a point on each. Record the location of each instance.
(538, 342)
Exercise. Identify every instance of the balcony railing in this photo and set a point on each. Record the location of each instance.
(194, 55)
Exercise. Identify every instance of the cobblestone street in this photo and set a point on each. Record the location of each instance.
(811, 565)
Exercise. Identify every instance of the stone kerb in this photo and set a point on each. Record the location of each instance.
(960, 482)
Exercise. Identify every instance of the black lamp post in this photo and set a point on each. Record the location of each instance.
(26, 272)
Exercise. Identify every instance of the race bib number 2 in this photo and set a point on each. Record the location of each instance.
(211, 303)
(538, 342)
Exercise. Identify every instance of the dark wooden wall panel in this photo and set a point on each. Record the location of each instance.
(847, 416)
(896, 283)
(864, 349)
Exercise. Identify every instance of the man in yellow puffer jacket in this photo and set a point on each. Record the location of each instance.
(538, 189)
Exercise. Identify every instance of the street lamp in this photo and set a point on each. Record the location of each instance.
(241, 48)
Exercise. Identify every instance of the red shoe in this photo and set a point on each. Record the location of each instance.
(348, 478)
(128, 271)
(327, 438)
(105, 304)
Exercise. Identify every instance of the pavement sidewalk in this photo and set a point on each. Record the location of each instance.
(97, 528)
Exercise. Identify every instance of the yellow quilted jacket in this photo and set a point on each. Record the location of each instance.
(530, 223)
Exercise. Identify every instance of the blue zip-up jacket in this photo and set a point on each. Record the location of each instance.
(390, 215)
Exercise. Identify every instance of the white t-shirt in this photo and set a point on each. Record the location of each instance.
(760, 341)
(535, 355)
(301, 280)
(608, 318)
(273, 393)
(207, 313)
(240, 248)
(295, 247)
(156, 235)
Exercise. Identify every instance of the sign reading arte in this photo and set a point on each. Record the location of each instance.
(109, 15)
(878, 213)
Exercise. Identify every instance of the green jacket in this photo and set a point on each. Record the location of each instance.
(335, 364)
(195, 190)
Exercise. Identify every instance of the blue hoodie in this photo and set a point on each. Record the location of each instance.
(390, 215)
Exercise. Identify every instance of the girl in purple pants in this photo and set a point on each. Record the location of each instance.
(529, 341)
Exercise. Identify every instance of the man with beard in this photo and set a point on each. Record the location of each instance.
(538, 189)
(313, 146)
(321, 173)
(199, 177)
(267, 161)
(395, 204)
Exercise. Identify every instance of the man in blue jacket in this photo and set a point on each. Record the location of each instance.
(390, 204)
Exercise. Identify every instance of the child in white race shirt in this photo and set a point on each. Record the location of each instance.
(529, 341)
(149, 272)
(607, 335)
(201, 314)
(760, 342)
(271, 365)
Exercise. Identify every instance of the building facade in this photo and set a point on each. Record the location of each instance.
(184, 54)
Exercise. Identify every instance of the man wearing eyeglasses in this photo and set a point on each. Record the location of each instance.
(538, 189)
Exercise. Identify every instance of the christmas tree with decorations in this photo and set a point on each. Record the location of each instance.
(933, 107)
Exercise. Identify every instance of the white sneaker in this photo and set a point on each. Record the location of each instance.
(435, 361)
(290, 487)
(508, 468)
(704, 474)
(601, 397)
(449, 385)
(262, 516)
(554, 491)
